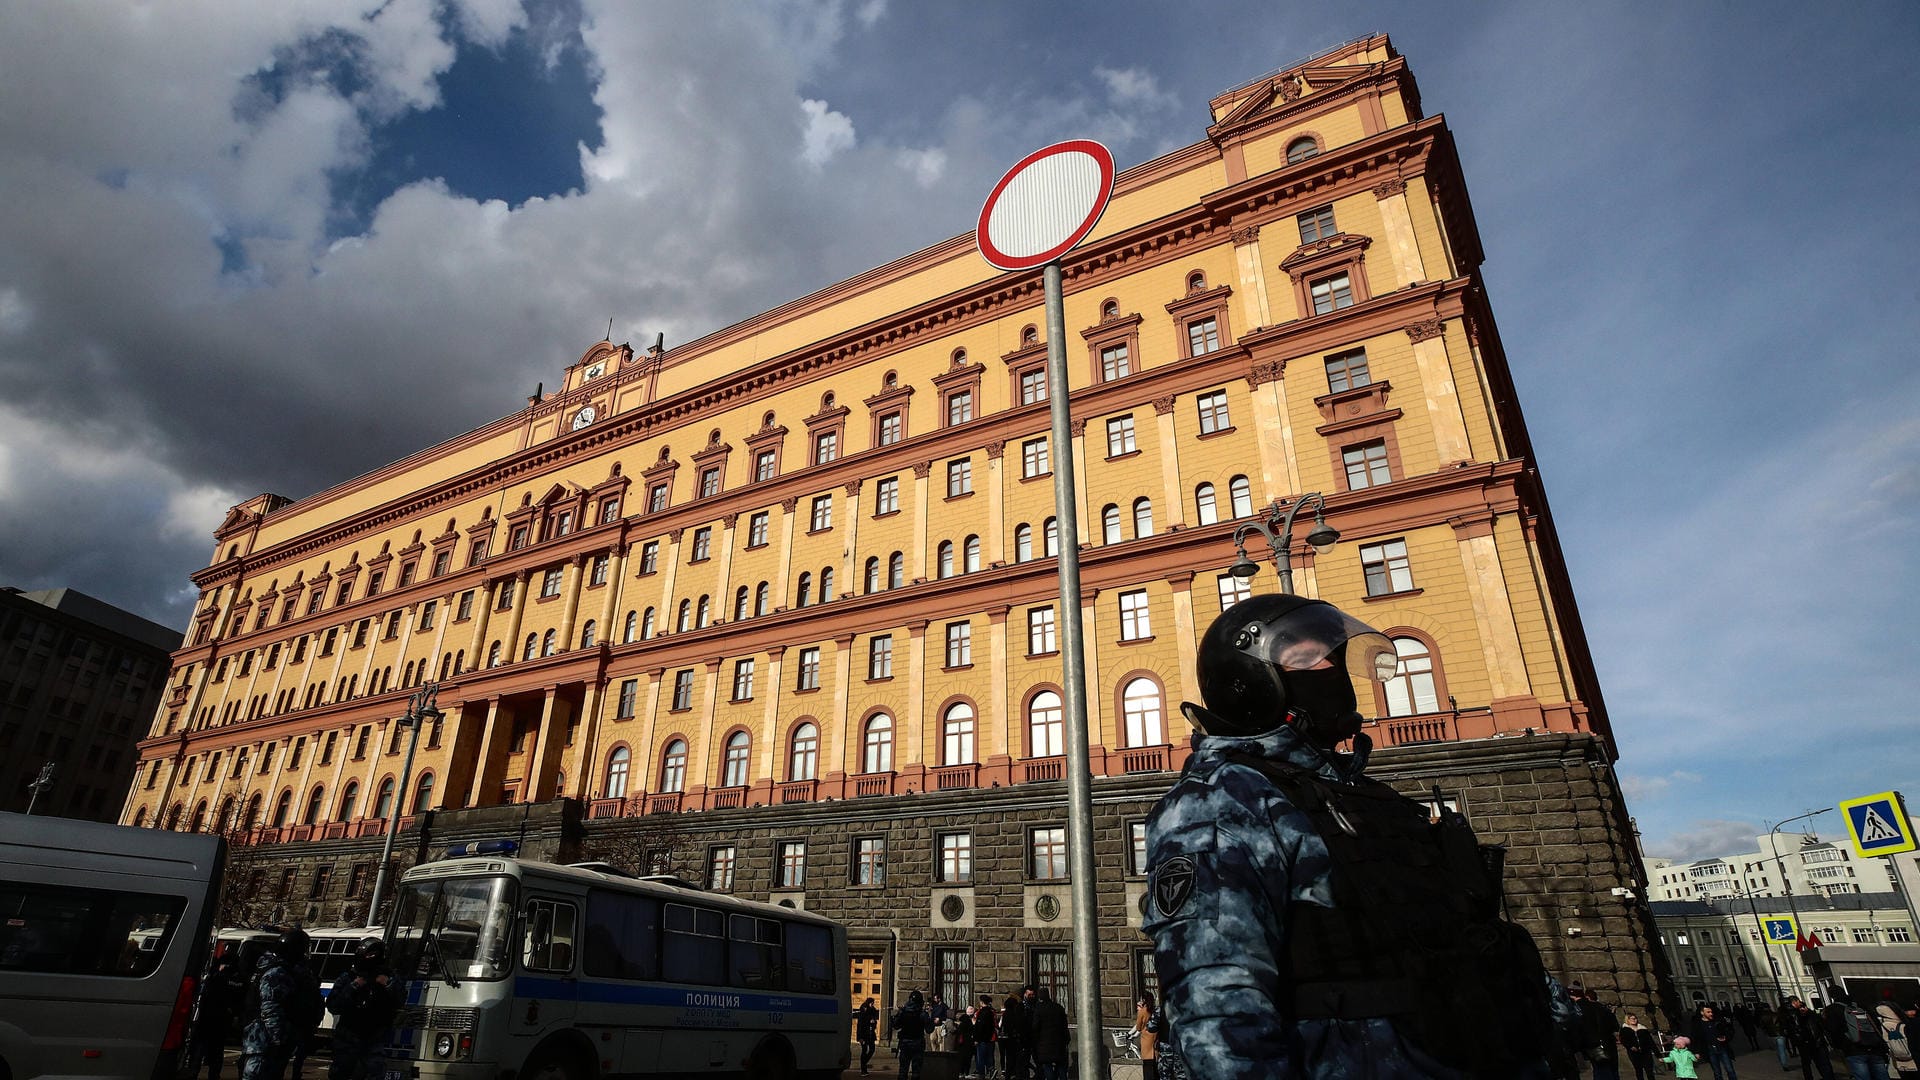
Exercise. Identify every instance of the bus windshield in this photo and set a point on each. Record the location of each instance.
(453, 928)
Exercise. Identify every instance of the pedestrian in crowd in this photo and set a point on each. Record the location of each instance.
(1303, 914)
(1049, 1036)
(283, 1009)
(1893, 1028)
(1146, 1028)
(1642, 1046)
(1712, 1037)
(866, 1025)
(215, 1015)
(363, 1002)
(1770, 1029)
(1744, 1016)
(1598, 1033)
(937, 1009)
(1016, 1044)
(1856, 1034)
(1807, 1032)
(986, 1029)
(911, 1025)
(1686, 1063)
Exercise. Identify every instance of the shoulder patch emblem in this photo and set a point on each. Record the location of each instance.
(1173, 885)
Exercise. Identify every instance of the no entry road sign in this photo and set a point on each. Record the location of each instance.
(1046, 204)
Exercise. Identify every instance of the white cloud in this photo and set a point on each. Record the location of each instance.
(870, 12)
(489, 22)
(927, 166)
(1135, 86)
(828, 133)
(1707, 839)
(16, 312)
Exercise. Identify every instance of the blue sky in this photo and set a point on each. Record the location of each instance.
(242, 244)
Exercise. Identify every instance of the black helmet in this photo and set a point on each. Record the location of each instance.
(372, 950)
(1267, 658)
(292, 944)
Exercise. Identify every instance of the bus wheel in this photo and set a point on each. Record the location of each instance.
(556, 1062)
(773, 1058)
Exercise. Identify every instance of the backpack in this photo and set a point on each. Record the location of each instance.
(1858, 1027)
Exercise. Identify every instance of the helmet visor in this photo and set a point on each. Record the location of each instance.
(1305, 638)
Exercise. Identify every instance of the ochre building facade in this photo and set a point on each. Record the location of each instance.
(793, 582)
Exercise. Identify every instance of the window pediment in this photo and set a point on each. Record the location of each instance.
(1327, 253)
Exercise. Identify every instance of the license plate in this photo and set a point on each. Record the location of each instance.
(396, 1074)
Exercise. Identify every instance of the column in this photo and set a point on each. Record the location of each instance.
(843, 733)
(1279, 469)
(570, 587)
(769, 687)
(850, 580)
(784, 576)
(616, 584)
(918, 571)
(1176, 512)
(545, 760)
(443, 622)
(332, 801)
(1477, 352)
(306, 777)
(477, 644)
(1492, 609)
(583, 762)
(996, 510)
(998, 707)
(486, 772)
(722, 593)
(669, 575)
(1186, 632)
(1079, 451)
(643, 752)
(279, 677)
(1097, 704)
(1254, 309)
(369, 785)
(407, 617)
(700, 770)
(1396, 223)
(916, 718)
(253, 679)
(340, 642)
(463, 765)
(1443, 399)
(510, 648)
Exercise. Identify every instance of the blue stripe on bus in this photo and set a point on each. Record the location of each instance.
(669, 997)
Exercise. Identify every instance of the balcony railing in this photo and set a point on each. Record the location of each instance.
(1410, 730)
(873, 784)
(798, 791)
(1145, 759)
(729, 798)
(607, 808)
(664, 804)
(955, 777)
(1047, 768)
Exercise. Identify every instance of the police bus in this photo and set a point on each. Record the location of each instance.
(548, 972)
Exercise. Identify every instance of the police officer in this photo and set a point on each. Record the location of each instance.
(1309, 921)
(363, 1001)
(283, 1010)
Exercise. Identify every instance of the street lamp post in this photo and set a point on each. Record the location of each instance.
(40, 786)
(1786, 882)
(1278, 530)
(420, 709)
(1754, 910)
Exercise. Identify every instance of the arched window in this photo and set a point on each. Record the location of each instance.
(1301, 149)
(493, 655)
(684, 622)
(199, 821)
(423, 794)
(646, 624)
(873, 574)
(970, 563)
(630, 630)
(956, 735)
(283, 809)
(804, 595)
(896, 570)
(1242, 493)
(349, 800)
(1197, 281)
(532, 649)
(1140, 703)
(1109, 524)
(383, 801)
(733, 772)
(876, 745)
(617, 764)
(762, 598)
(172, 822)
(943, 563)
(459, 664)
(740, 596)
(1109, 310)
(586, 635)
(1411, 690)
(803, 760)
(1052, 540)
(1046, 734)
(446, 665)
(252, 818)
(550, 643)
(1142, 518)
(314, 802)
(139, 817)
(673, 767)
(1690, 965)
(703, 616)
(1713, 966)
(1203, 503)
(1023, 543)
(826, 584)
(225, 821)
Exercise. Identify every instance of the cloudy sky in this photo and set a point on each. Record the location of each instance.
(267, 247)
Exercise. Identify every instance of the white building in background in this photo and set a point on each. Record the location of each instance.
(1813, 866)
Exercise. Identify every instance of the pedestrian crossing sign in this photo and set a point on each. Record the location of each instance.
(1781, 930)
(1878, 824)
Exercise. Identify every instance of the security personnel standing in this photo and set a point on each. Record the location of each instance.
(363, 1001)
(283, 1009)
(1309, 921)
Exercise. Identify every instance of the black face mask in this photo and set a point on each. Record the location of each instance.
(1323, 701)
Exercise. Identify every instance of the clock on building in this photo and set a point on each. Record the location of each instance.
(583, 417)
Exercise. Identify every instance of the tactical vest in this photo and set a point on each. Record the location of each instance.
(1415, 933)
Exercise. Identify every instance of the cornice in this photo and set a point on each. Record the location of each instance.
(1245, 121)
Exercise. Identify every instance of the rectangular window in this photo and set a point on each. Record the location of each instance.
(650, 557)
(322, 878)
(1033, 386)
(1347, 371)
(1137, 848)
(475, 554)
(1366, 465)
(406, 574)
(959, 477)
(1233, 590)
(504, 600)
(1047, 853)
(327, 643)
(826, 447)
(656, 498)
(720, 868)
(550, 583)
(1332, 294)
(339, 597)
(702, 544)
(629, 699)
(518, 540)
(956, 858)
(1316, 225)
(1120, 436)
(600, 565)
(442, 562)
(609, 511)
(1134, 622)
(880, 657)
(313, 602)
(393, 627)
(1040, 638)
(890, 429)
(959, 407)
(1387, 568)
(1213, 412)
(757, 530)
(465, 611)
(563, 524)
(870, 861)
(792, 870)
(1033, 458)
(1899, 935)
(1053, 973)
(820, 515)
(710, 481)
(886, 496)
(359, 634)
(426, 616)
(763, 466)
(953, 974)
(743, 680)
(1203, 336)
(682, 690)
(809, 669)
(1115, 363)
(547, 943)
(959, 644)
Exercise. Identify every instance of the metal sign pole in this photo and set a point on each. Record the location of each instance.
(419, 708)
(1073, 690)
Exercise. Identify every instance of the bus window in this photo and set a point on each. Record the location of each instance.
(73, 931)
(810, 959)
(695, 948)
(550, 929)
(622, 936)
(756, 953)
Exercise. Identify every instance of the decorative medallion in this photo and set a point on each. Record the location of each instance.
(1046, 909)
(952, 908)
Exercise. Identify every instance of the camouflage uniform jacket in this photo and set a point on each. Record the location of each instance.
(286, 997)
(1228, 852)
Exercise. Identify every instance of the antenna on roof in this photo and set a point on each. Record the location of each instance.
(660, 342)
(609, 336)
